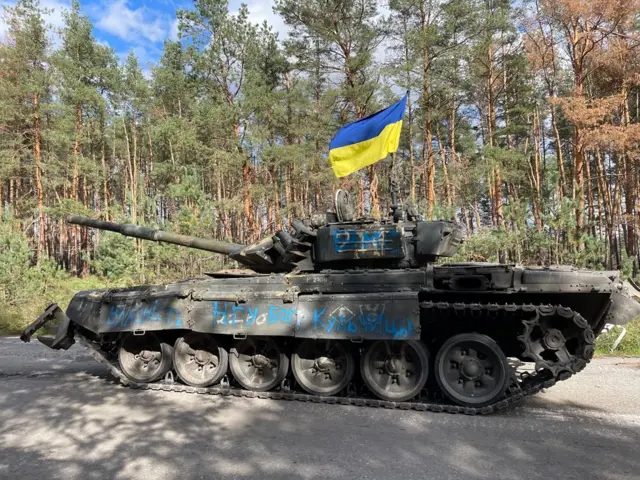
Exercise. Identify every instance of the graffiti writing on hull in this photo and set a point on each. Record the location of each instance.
(124, 316)
(227, 313)
(371, 313)
(369, 321)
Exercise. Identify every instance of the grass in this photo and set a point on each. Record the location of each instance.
(13, 318)
(630, 345)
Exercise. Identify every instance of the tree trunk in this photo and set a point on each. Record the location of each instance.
(37, 176)
(130, 161)
(498, 196)
(590, 206)
(412, 159)
(75, 244)
(603, 201)
(427, 151)
(246, 195)
(360, 208)
(84, 266)
(76, 152)
(535, 173)
(560, 161)
(445, 170)
(373, 192)
(430, 171)
(452, 144)
(147, 177)
(578, 154)
(134, 175)
(105, 176)
(630, 194)
(578, 178)
(491, 129)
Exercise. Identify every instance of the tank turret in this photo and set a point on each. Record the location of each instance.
(332, 241)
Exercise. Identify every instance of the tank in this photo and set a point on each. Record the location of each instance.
(352, 311)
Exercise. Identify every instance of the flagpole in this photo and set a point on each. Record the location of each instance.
(392, 182)
(396, 211)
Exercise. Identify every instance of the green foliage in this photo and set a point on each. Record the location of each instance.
(25, 289)
(629, 346)
(528, 246)
(116, 258)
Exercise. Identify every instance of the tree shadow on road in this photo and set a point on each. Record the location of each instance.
(78, 425)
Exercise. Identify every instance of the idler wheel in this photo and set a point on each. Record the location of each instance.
(144, 358)
(472, 370)
(322, 367)
(199, 360)
(258, 364)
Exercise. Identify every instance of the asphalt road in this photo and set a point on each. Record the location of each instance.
(62, 417)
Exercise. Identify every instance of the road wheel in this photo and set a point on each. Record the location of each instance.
(258, 364)
(144, 358)
(199, 360)
(472, 370)
(395, 370)
(322, 367)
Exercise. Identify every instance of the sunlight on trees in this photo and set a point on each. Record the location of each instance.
(523, 124)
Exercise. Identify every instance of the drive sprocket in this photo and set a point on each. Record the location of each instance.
(558, 339)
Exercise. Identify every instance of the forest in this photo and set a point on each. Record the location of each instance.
(523, 124)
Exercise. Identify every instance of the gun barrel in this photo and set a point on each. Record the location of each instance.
(147, 233)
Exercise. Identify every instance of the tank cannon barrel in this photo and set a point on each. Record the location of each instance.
(147, 233)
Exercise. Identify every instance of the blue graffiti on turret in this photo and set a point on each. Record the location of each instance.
(381, 241)
(124, 316)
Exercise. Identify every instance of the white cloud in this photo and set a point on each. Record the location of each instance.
(132, 24)
(147, 55)
(56, 9)
(3, 23)
(173, 30)
(259, 11)
(53, 17)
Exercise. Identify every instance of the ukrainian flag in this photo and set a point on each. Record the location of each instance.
(370, 139)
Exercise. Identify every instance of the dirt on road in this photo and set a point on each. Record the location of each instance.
(62, 416)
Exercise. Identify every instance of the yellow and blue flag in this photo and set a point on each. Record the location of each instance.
(366, 141)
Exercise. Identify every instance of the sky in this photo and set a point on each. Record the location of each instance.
(141, 26)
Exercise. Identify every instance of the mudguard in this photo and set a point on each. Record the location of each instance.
(624, 305)
(64, 335)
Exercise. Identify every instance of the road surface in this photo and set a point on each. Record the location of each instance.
(62, 417)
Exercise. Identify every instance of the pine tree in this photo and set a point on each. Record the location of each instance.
(227, 135)
(81, 65)
(350, 34)
(24, 96)
(221, 44)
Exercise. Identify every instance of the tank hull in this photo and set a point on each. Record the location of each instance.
(353, 305)
(391, 322)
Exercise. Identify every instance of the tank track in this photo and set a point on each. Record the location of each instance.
(523, 385)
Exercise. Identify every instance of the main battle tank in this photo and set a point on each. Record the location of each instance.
(352, 311)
